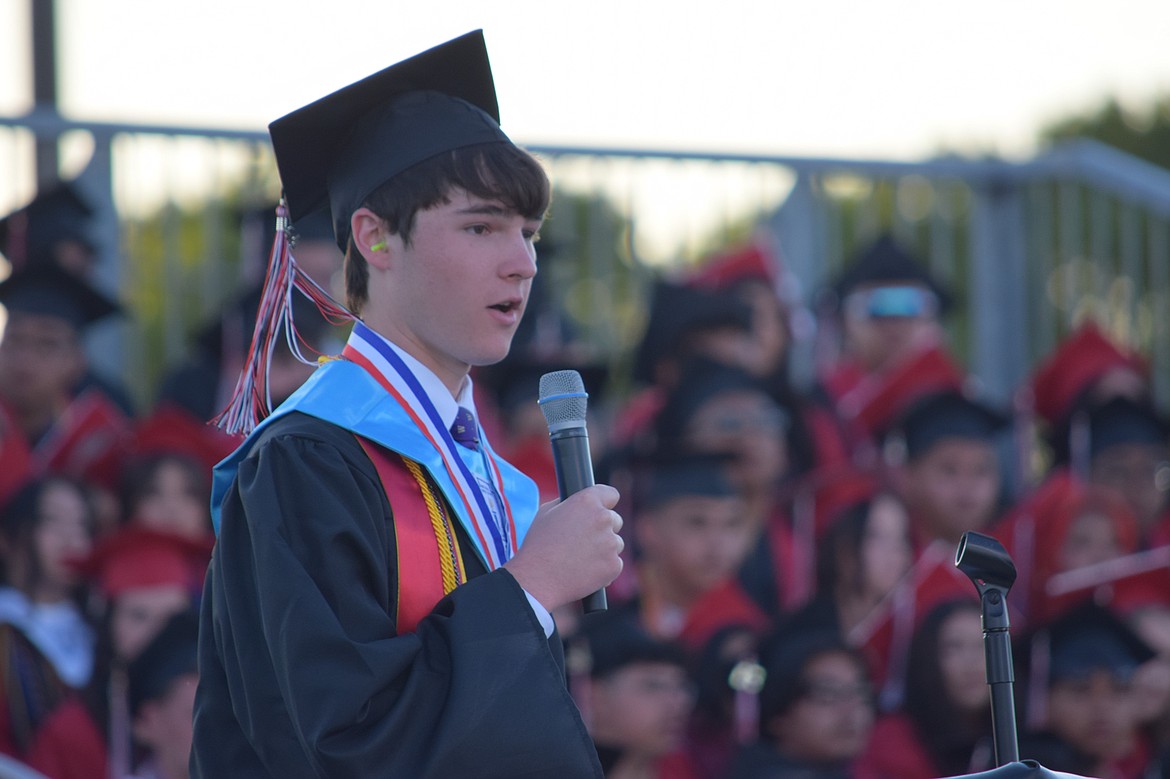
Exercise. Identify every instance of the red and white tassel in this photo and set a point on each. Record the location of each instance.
(251, 401)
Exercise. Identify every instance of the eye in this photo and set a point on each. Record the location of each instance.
(532, 235)
(478, 229)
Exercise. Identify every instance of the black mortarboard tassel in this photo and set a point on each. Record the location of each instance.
(337, 150)
(47, 290)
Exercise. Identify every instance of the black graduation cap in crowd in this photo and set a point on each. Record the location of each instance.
(47, 290)
(335, 151)
(886, 262)
(701, 381)
(784, 655)
(948, 415)
(28, 234)
(170, 654)
(230, 333)
(1089, 430)
(258, 228)
(1122, 420)
(1089, 638)
(670, 474)
(677, 311)
(515, 380)
(616, 639)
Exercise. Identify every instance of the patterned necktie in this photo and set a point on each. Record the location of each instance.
(464, 430)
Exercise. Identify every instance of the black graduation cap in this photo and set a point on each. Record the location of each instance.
(170, 654)
(1090, 638)
(679, 310)
(671, 474)
(515, 380)
(616, 639)
(701, 380)
(948, 414)
(784, 655)
(1123, 420)
(1089, 429)
(28, 234)
(258, 228)
(229, 334)
(886, 262)
(48, 290)
(334, 152)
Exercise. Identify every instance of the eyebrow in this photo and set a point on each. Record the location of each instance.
(495, 208)
(488, 209)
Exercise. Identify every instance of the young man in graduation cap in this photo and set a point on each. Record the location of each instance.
(1122, 444)
(378, 600)
(945, 465)
(890, 307)
(1081, 715)
(79, 433)
(638, 695)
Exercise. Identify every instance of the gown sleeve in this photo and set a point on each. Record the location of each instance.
(302, 673)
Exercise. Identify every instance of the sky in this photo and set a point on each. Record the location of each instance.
(892, 79)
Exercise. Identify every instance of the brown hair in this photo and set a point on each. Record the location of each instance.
(494, 171)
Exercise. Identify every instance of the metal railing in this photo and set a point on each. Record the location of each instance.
(1029, 246)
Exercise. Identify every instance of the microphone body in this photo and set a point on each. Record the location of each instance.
(563, 401)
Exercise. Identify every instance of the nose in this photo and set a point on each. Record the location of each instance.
(520, 260)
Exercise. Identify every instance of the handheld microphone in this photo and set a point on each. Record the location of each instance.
(562, 401)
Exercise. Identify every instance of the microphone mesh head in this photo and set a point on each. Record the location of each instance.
(563, 399)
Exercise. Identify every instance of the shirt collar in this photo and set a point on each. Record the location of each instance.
(446, 406)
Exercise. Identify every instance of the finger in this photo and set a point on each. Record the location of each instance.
(609, 496)
(617, 520)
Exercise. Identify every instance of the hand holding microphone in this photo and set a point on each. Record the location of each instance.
(573, 550)
(563, 400)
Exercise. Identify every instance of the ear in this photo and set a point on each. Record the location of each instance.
(371, 237)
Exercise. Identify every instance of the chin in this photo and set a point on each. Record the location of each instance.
(490, 356)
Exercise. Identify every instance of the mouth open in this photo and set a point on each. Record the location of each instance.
(507, 306)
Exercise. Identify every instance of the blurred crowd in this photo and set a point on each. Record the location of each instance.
(790, 606)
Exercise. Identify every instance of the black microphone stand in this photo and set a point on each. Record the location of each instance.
(987, 564)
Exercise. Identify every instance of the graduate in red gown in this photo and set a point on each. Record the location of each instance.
(1081, 714)
(636, 699)
(82, 434)
(888, 309)
(943, 727)
(144, 577)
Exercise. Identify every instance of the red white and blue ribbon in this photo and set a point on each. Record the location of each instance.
(495, 535)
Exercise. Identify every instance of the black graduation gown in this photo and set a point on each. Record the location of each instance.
(301, 674)
(762, 761)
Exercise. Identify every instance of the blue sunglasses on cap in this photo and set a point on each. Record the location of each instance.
(886, 302)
